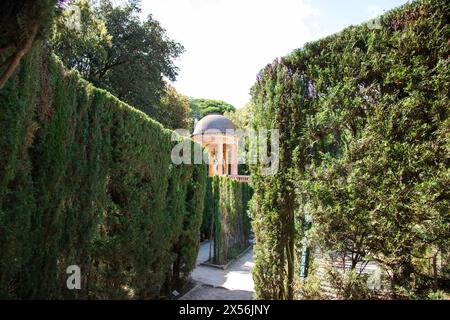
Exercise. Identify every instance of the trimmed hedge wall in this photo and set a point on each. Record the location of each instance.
(363, 120)
(87, 180)
(206, 231)
(226, 203)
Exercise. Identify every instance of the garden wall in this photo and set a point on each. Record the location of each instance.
(226, 204)
(87, 180)
(363, 120)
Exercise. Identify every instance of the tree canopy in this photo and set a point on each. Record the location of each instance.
(203, 107)
(174, 110)
(21, 23)
(241, 117)
(116, 51)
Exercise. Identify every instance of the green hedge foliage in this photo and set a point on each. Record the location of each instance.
(363, 120)
(226, 206)
(87, 180)
(207, 231)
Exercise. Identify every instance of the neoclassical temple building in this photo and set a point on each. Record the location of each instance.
(217, 134)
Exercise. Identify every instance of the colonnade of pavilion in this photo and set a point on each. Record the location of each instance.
(223, 153)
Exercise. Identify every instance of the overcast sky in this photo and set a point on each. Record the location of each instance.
(227, 42)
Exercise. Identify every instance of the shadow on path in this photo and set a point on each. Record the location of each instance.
(204, 292)
(235, 283)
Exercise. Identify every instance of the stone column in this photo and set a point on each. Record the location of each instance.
(211, 160)
(220, 157)
(234, 160)
(225, 159)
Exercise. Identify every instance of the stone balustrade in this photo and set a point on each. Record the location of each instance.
(245, 179)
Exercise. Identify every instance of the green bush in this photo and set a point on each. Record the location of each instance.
(227, 203)
(363, 120)
(349, 285)
(208, 213)
(87, 180)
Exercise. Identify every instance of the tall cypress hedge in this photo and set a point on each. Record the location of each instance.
(227, 202)
(363, 120)
(87, 180)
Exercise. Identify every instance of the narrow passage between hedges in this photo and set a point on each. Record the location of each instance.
(235, 283)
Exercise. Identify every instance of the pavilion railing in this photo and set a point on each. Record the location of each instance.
(245, 179)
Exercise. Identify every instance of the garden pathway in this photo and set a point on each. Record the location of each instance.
(235, 283)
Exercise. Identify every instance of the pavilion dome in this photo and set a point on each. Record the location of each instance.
(213, 122)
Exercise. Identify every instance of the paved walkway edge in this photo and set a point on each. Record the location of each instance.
(226, 266)
(198, 285)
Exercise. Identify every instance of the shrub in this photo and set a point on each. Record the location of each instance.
(349, 285)
(87, 180)
(363, 118)
(230, 218)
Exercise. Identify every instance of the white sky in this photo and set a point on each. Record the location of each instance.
(227, 42)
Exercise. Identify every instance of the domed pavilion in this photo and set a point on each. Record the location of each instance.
(217, 134)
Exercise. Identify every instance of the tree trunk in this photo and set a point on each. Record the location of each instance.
(17, 56)
(402, 276)
(290, 250)
(435, 272)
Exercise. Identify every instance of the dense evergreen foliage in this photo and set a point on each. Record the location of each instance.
(226, 216)
(364, 140)
(202, 107)
(242, 117)
(174, 109)
(22, 22)
(87, 180)
(109, 44)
